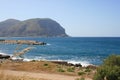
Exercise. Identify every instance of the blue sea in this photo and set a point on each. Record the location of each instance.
(84, 50)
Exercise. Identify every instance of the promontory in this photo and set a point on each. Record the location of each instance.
(37, 27)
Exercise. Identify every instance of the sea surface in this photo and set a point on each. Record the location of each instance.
(84, 50)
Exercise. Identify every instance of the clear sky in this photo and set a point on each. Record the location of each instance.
(79, 17)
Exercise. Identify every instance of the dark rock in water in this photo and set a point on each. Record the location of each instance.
(60, 62)
(70, 64)
(4, 56)
(78, 65)
(66, 63)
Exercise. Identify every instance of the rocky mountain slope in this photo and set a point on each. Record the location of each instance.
(42, 27)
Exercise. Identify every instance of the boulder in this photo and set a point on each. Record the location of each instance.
(4, 56)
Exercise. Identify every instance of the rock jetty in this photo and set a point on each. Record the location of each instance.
(28, 42)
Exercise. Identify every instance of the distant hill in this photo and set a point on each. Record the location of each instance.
(42, 27)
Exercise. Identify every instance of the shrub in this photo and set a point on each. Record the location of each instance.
(81, 73)
(61, 70)
(33, 61)
(87, 70)
(45, 64)
(70, 69)
(110, 69)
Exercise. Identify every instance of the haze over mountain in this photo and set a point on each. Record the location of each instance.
(42, 27)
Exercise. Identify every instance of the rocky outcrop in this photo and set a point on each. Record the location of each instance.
(4, 56)
(66, 63)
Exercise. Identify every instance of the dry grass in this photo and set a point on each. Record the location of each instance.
(37, 66)
(45, 67)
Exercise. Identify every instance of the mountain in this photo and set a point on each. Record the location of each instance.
(42, 27)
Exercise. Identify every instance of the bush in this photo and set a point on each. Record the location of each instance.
(33, 61)
(70, 69)
(45, 64)
(110, 70)
(81, 73)
(87, 70)
(61, 70)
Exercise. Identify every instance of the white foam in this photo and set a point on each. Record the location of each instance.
(48, 44)
(15, 58)
(83, 63)
(27, 59)
(3, 53)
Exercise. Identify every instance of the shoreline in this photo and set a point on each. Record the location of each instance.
(60, 62)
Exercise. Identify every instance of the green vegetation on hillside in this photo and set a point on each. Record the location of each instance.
(110, 70)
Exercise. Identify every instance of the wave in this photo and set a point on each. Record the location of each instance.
(48, 44)
(3, 53)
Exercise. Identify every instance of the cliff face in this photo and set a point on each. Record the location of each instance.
(32, 27)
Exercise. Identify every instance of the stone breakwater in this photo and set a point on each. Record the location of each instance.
(28, 42)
